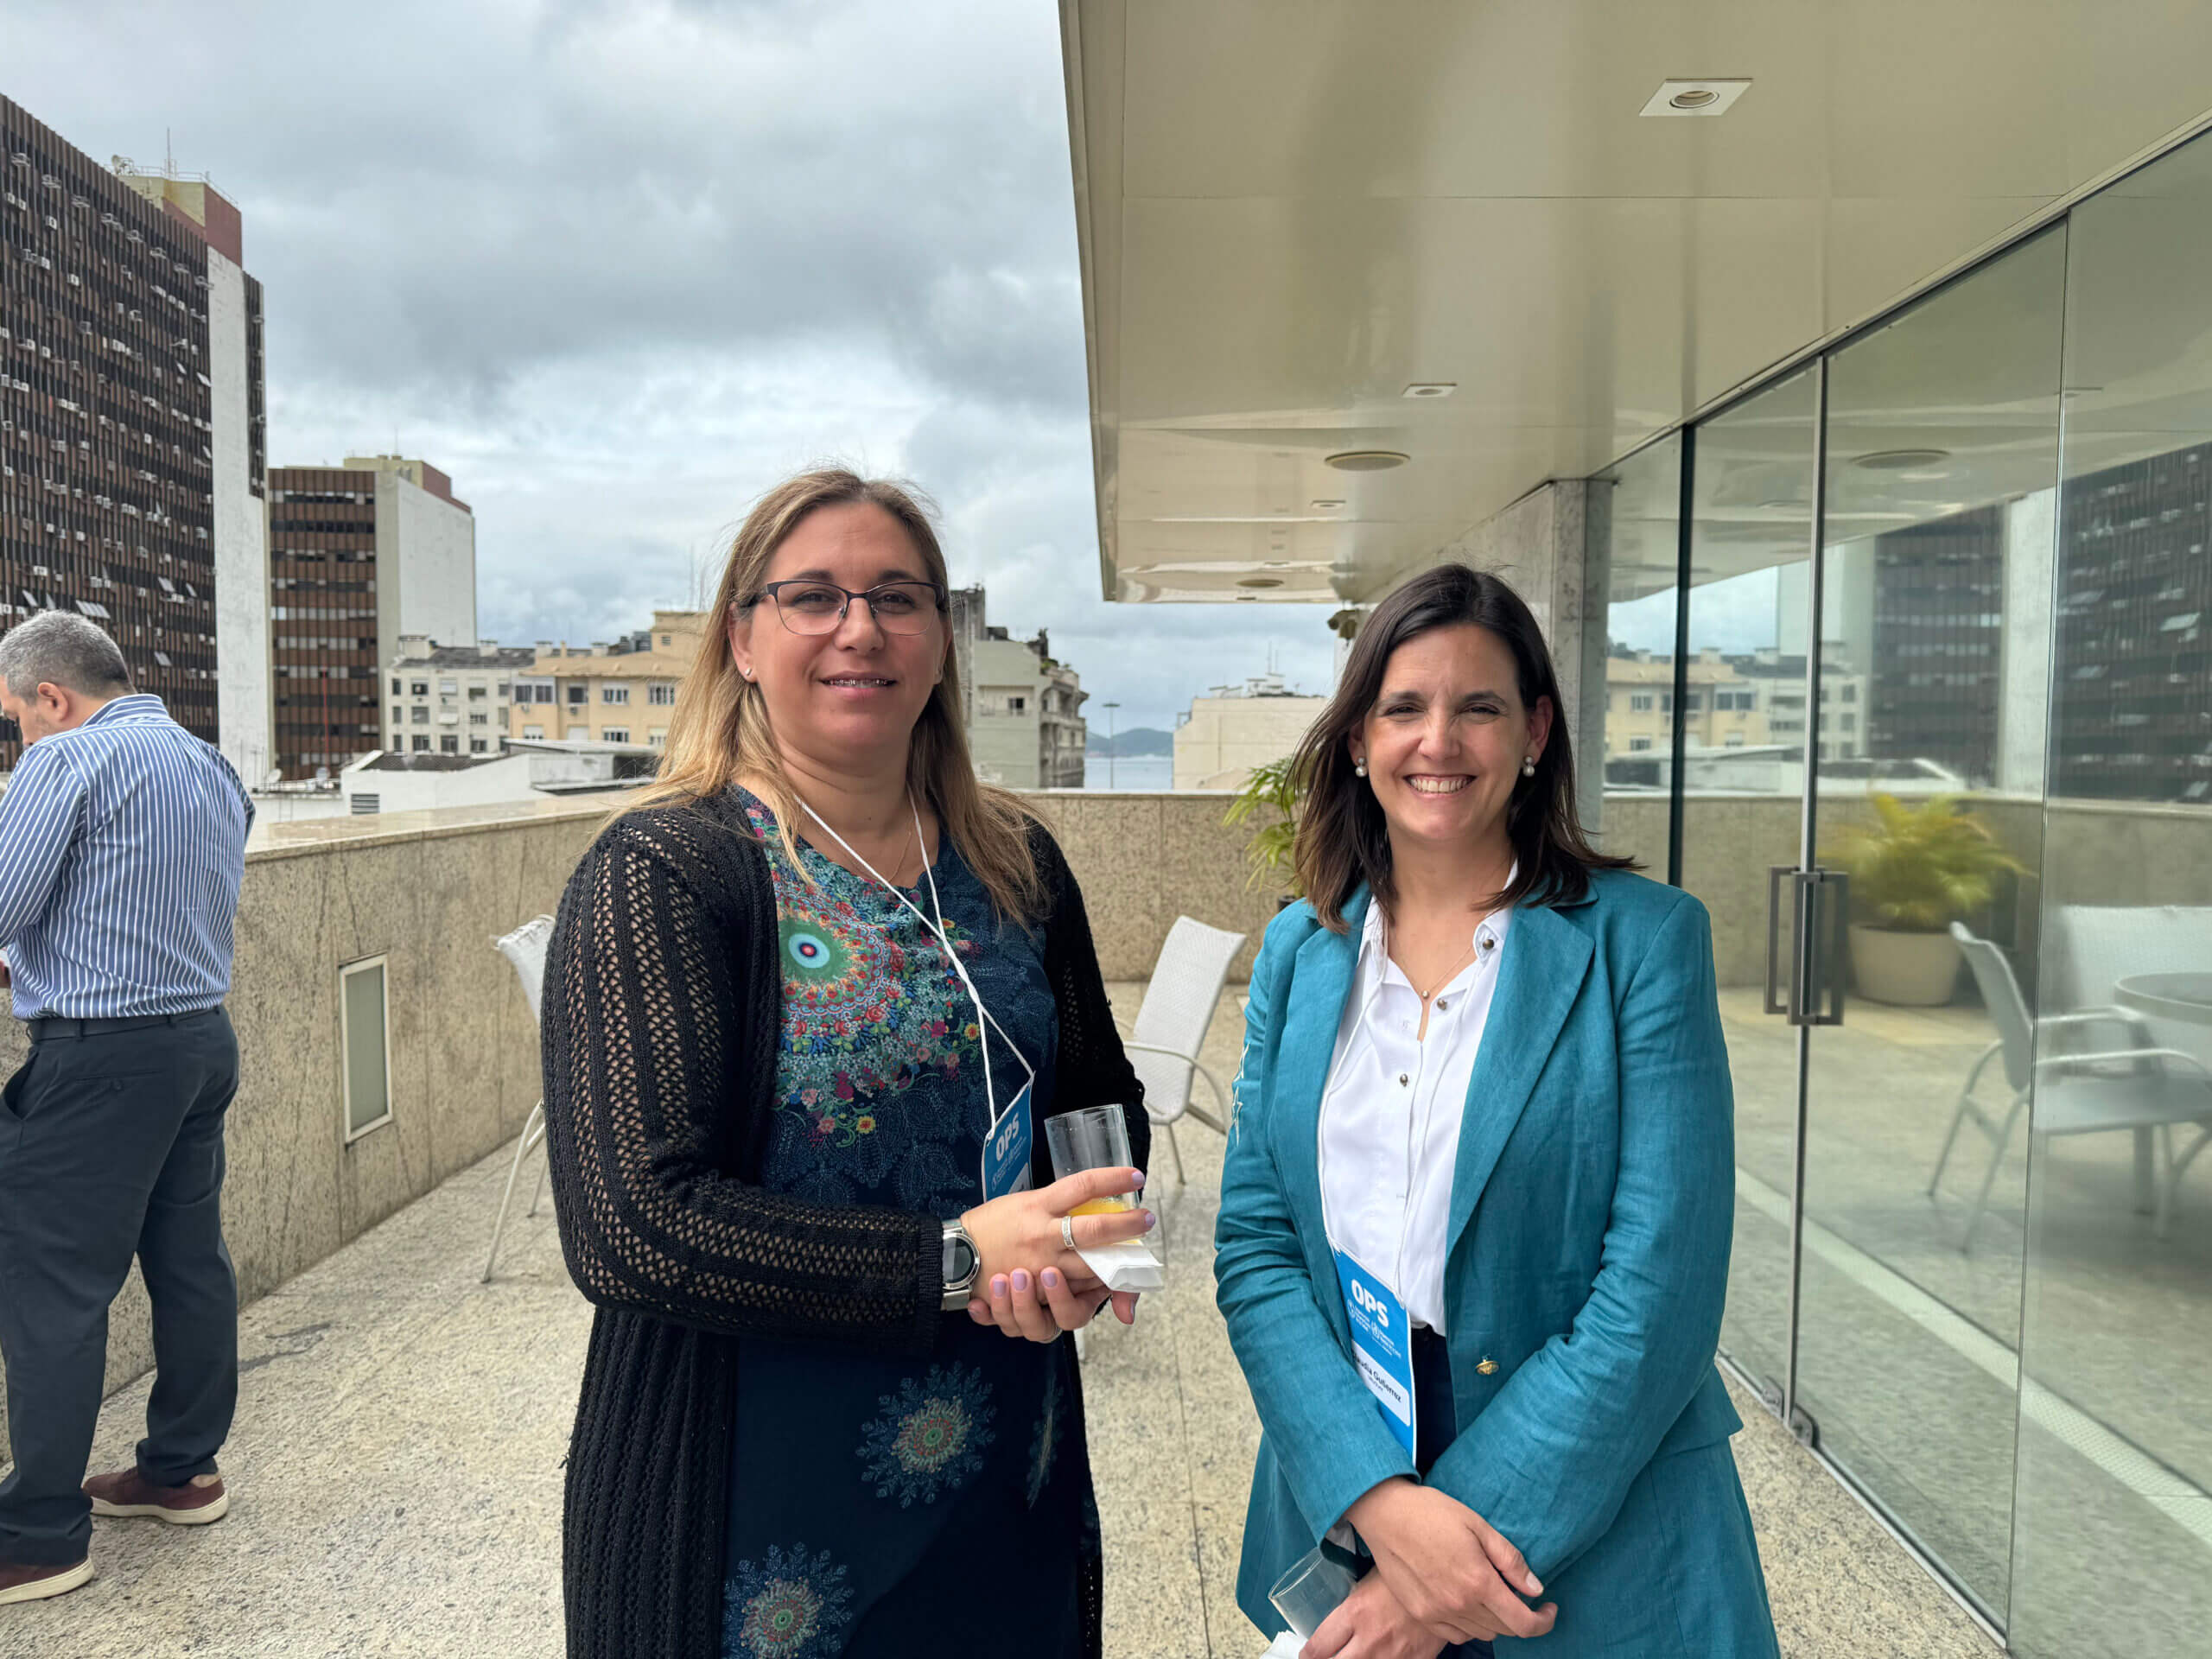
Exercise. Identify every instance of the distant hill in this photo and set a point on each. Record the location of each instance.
(1138, 740)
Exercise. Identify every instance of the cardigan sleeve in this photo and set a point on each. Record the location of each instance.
(648, 1010)
(1094, 1069)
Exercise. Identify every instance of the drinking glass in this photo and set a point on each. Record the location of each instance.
(1095, 1137)
(1314, 1587)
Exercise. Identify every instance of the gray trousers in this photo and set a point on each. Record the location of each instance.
(110, 1146)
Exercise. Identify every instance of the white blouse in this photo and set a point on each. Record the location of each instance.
(1390, 1115)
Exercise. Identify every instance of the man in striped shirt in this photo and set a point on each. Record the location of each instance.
(122, 843)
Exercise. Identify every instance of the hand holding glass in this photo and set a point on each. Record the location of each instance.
(1021, 1252)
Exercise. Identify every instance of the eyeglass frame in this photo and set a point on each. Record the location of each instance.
(845, 609)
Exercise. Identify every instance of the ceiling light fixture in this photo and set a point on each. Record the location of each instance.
(1325, 502)
(1259, 582)
(1709, 95)
(1367, 460)
(1901, 460)
(1431, 389)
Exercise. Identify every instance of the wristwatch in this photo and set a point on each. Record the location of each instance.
(961, 1264)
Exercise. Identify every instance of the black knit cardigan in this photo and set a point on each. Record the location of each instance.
(661, 1016)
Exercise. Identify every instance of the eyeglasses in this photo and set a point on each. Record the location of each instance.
(808, 606)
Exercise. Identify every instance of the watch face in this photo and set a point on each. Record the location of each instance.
(959, 1259)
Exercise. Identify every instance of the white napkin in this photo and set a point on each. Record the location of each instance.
(1125, 1265)
(1288, 1645)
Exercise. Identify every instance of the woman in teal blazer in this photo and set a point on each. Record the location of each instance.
(1572, 1489)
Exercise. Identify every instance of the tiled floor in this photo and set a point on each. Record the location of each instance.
(401, 1427)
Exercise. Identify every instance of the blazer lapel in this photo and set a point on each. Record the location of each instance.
(1546, 958)
(1326, 963)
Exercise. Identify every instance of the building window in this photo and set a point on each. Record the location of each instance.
(1638, 745)
(616, 734)
(478, 691)
(1851, 692)
(419, 689)
(395, 685)
(448, 687)
(666, 642)
(579, 734)
(614, 694)
(478, 746)
(398, 716)
(421, 715)
(1015, 705)
(449, 743)
(661, 696)
(1640, 703)
(577, 694)
(658, 736)
(537, 733)
(421, 744)
(365, 1045)
(479, 720)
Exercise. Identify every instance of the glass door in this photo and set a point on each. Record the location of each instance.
(1925, 735)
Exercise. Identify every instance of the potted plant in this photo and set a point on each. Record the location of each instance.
(1273, 788)
(1913, 871)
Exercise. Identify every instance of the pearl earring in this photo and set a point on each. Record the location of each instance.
(1359, 768)
(1527, 765)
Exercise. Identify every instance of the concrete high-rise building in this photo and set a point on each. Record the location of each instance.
(132, 447)
(1026, 728)
(360, 555)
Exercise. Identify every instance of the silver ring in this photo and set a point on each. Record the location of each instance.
(1067, 1230)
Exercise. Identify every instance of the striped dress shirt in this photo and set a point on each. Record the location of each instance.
(122, 845)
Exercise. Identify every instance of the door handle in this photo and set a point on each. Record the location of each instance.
(1819, 907)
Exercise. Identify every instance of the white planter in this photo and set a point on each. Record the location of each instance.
(1909, 970)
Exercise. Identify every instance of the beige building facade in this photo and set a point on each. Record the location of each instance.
(1233, 729)
(450, 699)
(623, 692)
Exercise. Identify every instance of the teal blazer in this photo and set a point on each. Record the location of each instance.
(1592, 1206)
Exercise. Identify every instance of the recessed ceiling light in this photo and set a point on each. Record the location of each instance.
(1325, 502)
(1706, 96)
(1901, 460)
(1259, 582)
(1368, 460)
(1431, 389)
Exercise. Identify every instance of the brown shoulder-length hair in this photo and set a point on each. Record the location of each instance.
(720, 729)
(1342, 838)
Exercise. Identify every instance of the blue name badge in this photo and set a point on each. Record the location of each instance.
(1006, 1153)
(1382, 1345)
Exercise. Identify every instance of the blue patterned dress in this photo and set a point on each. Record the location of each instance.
(884, 1504)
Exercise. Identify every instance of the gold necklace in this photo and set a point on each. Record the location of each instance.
(1448, 973)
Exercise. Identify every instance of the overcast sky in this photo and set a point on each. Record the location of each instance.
(618, 266)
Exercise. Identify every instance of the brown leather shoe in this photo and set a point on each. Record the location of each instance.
(199, 1500)
(20, 1581)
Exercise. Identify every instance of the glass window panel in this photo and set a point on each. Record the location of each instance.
(368, 1098)
(1633, 510)
(1942, 455)
(2113, 1535)
(1751, 544)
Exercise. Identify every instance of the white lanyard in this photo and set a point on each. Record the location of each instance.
(983, 1017)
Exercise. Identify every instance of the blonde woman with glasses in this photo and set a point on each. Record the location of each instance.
(806, 1009)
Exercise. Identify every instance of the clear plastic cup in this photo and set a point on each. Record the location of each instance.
(1315, 1587)
(1093, 1137)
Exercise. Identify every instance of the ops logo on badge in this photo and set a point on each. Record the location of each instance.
(1367, 1300)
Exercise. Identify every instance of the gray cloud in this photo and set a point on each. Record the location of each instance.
(618, 266)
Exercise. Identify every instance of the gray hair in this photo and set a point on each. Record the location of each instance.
(62, 648)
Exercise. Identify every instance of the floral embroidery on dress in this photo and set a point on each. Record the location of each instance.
(930, 1437)
(865, 1012)
(786, 1608)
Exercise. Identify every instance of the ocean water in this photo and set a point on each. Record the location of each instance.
(1142, 772)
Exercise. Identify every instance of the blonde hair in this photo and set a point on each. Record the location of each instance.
(720, 729)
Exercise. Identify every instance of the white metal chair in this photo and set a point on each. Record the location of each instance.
(525, 949)
(1171, 1026)
(2141, 1089)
